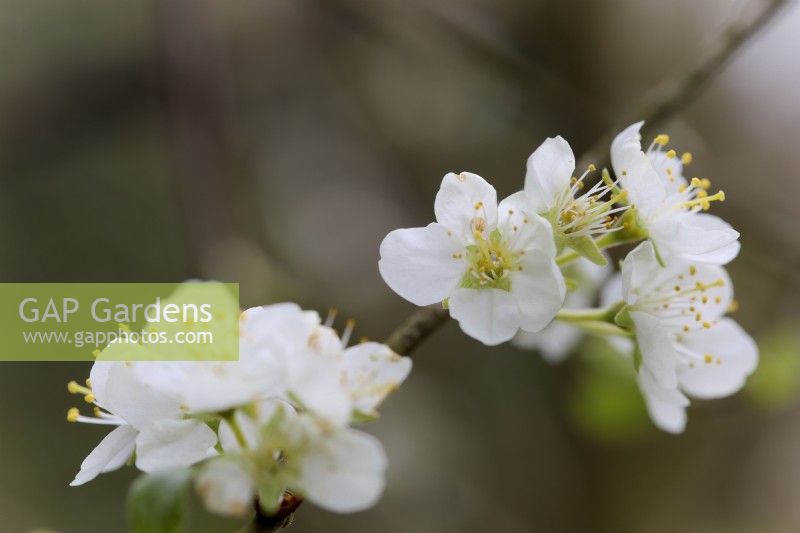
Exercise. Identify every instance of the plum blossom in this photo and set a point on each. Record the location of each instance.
(274, 449)
(151, 422)
(492, 265)
(669, 208)
(577, 216)
(686, 344)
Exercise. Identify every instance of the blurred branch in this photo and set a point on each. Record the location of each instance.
(676, 94)
(416, 328)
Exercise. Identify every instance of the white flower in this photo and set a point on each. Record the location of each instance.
(686, 343)
(556, 194)
(559, 339)
(148, 421)
(275, 450)
(285, 352)
(669, 208)
(494, 265)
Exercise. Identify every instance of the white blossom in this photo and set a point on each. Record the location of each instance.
(559, 196)
(494, 266)
(686, 343)
(276, 449)
(669, 208)
(149, 421)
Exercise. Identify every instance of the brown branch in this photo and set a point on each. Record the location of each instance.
(416, 328)
(676, 94)
(656, 109)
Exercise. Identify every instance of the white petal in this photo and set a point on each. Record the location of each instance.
(667, 406)
(344, 472)
(110, 454)
(646, 191)
(670, 169)
(539, 290)
(370, 371)
(628, 138)
(611, 292)
(640, 270)
(734, 356)
(225, 487)
(457, 199)
(316, 382)
(532, 232)
(166, 444)
(658, 352)
(555, 342)
(134, 400)
(488, 315)
(418, 263)
(696, 237)
(549, 171)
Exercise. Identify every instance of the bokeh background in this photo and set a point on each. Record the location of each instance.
(274, 143)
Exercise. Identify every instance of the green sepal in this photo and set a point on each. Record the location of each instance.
(587, 248)
(637, 358)
(623, 318)
(270, 493)
(361, 417)
(571, 283)
(157, 502)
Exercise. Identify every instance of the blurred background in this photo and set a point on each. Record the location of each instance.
(274, 143)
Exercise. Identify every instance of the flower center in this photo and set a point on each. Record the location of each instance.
(590, 213)
(491, 260)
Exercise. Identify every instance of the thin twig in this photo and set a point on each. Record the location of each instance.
(674, 95)
(416, 328)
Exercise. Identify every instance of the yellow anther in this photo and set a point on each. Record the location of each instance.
(734, 306)
(478, 205)
(89, 398)
(97, 412)
(686, 158)
(705, 299)
(707, 325)
(686, 329)
(704, 201)
(73, 414)
(708, 358)
(662, 139)
(591, 167)
(677, 288)
(697, 182)
(89, 383)
(705, 183)
(698, 317)
(74, 388)
(682, 187)
(671, 154)
(692, 270)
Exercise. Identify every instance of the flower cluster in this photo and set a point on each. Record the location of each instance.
(275, 422)
(519, 269)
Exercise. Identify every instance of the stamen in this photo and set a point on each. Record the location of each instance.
(662, 139)
(331, 317)
(73, 414)
(74, 388)
(671, 154)
(348, 330)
